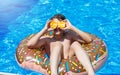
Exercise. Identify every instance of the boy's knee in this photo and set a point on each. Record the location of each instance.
(58, 44)
(75, 43)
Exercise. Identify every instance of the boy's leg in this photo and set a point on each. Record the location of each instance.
(82, 57)
(55, 57)
(71, 53)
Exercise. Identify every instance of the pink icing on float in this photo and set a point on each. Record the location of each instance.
(38, 60)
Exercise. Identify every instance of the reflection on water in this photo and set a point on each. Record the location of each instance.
(10, 10)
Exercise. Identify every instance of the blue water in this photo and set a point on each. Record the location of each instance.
(100, 17)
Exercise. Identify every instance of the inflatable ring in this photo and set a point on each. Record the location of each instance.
(38, 60)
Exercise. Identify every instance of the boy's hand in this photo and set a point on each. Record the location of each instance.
(47, 27)
(47, 24)
(68, 25)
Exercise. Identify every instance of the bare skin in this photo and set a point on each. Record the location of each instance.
(63, 45)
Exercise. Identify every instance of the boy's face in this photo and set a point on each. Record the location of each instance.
(57, 29)
(58, 32)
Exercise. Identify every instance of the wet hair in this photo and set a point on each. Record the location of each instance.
(60, 17)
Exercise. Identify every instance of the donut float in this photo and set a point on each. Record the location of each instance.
(38, 60)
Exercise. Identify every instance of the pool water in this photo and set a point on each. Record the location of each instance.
(100, 17)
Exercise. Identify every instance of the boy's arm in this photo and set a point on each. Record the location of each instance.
(84, 36)
(35, 41)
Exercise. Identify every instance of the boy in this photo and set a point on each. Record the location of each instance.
(66, 42)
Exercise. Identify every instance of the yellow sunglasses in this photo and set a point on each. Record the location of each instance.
(55, 25)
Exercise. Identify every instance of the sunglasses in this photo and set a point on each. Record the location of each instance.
(54, 24)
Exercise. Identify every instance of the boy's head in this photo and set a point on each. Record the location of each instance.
(58, 21)
(60, 17)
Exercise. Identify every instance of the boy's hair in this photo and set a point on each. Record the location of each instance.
(60, 17)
